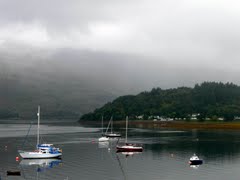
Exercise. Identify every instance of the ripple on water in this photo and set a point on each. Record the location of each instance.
(16, 130)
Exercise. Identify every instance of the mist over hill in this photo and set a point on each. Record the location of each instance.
(61, 88)
(68, 83)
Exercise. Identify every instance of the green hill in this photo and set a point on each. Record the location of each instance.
(209, 99)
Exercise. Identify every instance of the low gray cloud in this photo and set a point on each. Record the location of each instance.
(126, 46)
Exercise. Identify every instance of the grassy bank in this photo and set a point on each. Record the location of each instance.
(185, 125)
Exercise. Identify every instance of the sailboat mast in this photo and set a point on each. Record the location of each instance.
(102, 125)
(38, 114)
(126, 129)
(111, 124)
(108, 126)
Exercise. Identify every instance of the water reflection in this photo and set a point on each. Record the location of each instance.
(41, 164)
(122, 159)
(194, 166)
(211, 144)
(127, 154)
(103, 144)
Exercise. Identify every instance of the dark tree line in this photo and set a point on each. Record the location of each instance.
(209, 99)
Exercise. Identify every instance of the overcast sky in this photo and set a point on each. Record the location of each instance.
(135, 44)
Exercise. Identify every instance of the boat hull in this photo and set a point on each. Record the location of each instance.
(39, 155)
(129, 149)
(195, 162)
(103, 139)
(13, 173)
(113, 135)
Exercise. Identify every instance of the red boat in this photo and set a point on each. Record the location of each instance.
(129, 147)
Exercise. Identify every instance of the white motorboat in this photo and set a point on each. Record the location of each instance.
(194, 160)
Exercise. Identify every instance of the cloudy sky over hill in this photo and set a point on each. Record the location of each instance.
(134, 45)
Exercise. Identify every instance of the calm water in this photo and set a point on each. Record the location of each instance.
(165, 156)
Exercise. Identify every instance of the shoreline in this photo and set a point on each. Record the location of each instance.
(172, 124)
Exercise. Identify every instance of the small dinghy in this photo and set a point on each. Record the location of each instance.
(194, 160)
(13, 173)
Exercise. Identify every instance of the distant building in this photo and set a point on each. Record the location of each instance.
(194, 116)
(139, 117)
(220, 118)
(236, 118)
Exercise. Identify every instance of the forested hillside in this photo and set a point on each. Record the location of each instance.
(208, 100)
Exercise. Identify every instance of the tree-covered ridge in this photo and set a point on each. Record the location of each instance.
(208, 100)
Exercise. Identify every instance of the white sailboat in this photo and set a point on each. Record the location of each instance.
(103, 138)
(42, 150)
(111, 134)
(129, 147)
